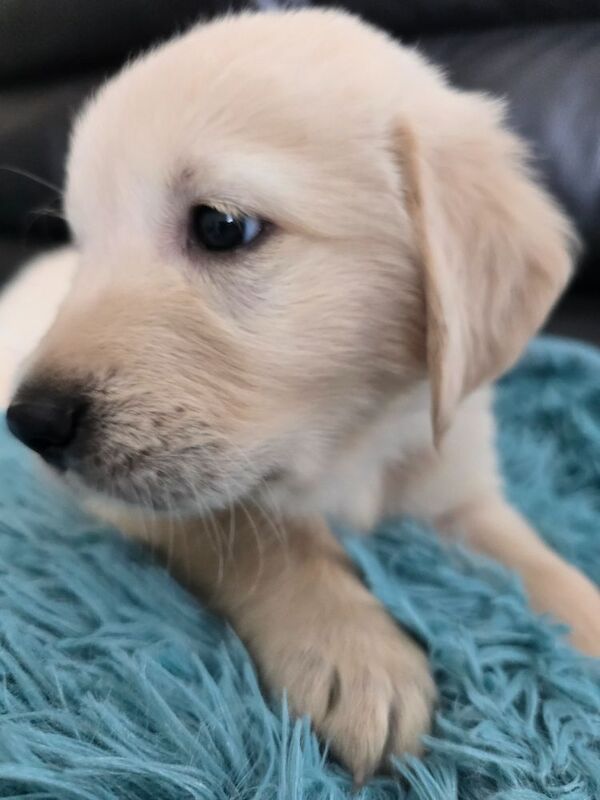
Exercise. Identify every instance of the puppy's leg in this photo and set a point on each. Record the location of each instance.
(27, 307)
(493, 527)
(314, 631)
(458, 489)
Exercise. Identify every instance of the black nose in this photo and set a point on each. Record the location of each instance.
(46, 422)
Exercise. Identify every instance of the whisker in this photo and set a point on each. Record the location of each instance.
(259, 547)
(24, 173)
(231, 532)
(279, 530)
(172, 517)
(268, 511)
(46, 211)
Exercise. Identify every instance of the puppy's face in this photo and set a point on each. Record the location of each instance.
(256, 278)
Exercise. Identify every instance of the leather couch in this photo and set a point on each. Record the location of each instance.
(543, 58)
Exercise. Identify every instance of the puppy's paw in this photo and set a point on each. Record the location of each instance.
(379, 701)
(365, 684)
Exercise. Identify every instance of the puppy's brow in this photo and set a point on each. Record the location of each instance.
(182, 178)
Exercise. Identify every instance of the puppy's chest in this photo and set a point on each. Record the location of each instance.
(369, 477)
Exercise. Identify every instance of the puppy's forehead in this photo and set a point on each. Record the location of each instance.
(254, 109)
(238, 74)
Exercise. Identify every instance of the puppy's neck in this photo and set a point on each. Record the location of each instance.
(351, 489)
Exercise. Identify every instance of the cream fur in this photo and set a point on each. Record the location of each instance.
(339, 368)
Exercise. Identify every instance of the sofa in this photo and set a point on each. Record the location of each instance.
(542, 58)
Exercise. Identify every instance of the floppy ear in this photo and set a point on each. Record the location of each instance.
(494, 249)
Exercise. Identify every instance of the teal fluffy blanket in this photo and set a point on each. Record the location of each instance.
(115, 684)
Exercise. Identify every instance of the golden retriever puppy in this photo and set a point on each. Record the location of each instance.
(301, 259)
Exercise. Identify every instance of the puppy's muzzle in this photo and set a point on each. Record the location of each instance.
(47, 420)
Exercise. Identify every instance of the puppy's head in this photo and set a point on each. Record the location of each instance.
(283, 221)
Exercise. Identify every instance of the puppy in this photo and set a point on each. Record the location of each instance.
(302, 257)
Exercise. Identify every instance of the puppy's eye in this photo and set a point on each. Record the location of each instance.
(219, 230)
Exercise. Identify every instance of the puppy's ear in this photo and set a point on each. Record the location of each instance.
(495, 251)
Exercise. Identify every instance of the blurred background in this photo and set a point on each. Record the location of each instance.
(541, 56)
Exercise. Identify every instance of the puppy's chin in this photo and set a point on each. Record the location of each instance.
(132, 496)
(172, 496)
(150, 497)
